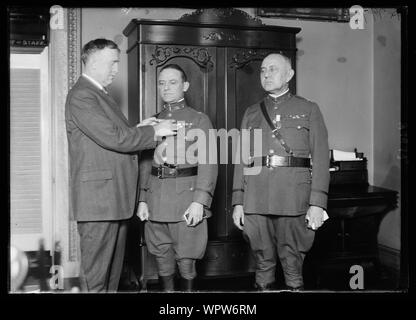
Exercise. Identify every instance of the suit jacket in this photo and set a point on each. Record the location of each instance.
(286, 190)
(103, 166)
(168, 199)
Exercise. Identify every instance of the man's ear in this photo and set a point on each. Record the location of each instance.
(185, 86)
(290, 75)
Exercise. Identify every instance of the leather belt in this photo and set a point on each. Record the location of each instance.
(171, 172)
(287, 161)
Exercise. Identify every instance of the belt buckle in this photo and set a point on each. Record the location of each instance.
(272, 161)
(160, 172)
(173, 172)
(268, 161)
(276, 161)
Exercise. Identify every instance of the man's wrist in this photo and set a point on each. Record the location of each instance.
(198, 203)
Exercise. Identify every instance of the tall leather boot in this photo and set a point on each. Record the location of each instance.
(167, 283)
(187, 285)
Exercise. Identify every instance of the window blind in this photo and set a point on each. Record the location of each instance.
(25, 151)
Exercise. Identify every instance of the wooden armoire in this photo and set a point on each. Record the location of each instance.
(221, 52)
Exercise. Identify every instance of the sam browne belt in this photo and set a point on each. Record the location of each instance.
(272, 161)
(288, 161)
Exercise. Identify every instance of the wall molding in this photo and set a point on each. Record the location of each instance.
(64, 71)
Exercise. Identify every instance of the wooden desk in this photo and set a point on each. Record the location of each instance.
(349, 237)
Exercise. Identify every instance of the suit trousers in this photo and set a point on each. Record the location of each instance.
(102, 253)
(284, 236)
(175, 242)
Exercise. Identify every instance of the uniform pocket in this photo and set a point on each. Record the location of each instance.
(296, 133)
(297, 124)
(184, 184)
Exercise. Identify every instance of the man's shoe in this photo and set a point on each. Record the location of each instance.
(264, 287)
(295, 289)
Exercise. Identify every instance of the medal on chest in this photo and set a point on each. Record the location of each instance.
(277, 122)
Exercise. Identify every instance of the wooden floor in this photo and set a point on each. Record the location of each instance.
(385, 282)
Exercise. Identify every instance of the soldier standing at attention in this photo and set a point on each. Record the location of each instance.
(175, 195)
(280, 208)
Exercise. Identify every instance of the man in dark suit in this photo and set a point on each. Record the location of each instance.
(103, 165)
(279, 208)
(176, 189)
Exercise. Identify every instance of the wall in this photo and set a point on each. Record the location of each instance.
(387, 102)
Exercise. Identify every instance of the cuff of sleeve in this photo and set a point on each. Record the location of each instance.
(149, 133)
(142, 195)
(318, 198)
(238, 197)
(203, 197)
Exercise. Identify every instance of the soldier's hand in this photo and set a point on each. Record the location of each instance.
(193, 215)
(315, 217)
(143, 211)
(148, 122)
(166, 128)
(238, 216)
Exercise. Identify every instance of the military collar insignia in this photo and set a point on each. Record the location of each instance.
(281, 98)
(174, 105)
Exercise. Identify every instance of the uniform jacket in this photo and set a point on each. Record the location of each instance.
(168, 198)
(286, 190)
(103, 166)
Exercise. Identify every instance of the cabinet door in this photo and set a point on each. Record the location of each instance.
(199, 65)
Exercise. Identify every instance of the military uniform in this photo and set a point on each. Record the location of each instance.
(166, 233)
(276, 200)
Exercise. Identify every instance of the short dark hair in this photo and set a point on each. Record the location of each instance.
(95, 45)
(176, 67)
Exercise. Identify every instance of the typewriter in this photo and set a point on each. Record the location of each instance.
(348, 168)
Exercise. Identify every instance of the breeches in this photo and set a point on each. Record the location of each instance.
(175, 242)
(284, 236)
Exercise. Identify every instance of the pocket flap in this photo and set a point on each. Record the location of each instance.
(184, 184)
(295, 123)
(96, 175)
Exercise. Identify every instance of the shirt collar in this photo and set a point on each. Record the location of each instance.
(95, 82)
